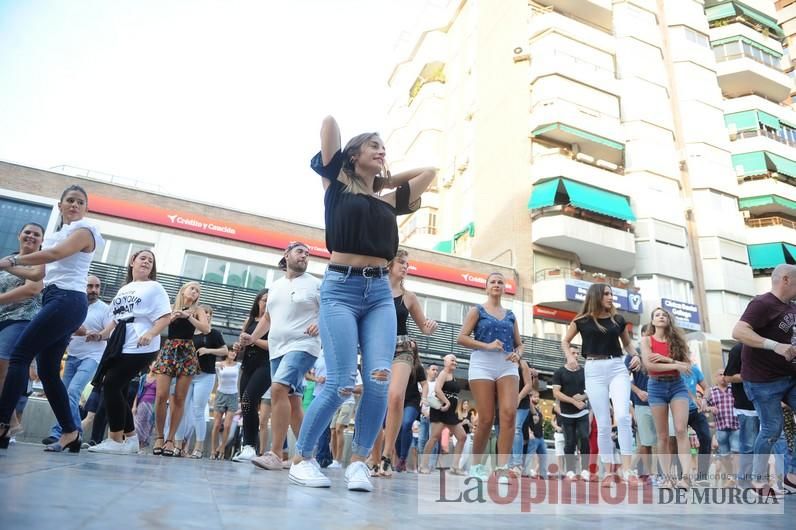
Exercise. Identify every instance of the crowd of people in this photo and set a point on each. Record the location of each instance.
(625, 408)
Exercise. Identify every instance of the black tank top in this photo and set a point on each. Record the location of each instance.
(254, 355)
(402, 313)
(525, 403)
(181, 328)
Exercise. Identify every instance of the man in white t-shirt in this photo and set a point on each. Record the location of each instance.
(83, 357)
(291, 318)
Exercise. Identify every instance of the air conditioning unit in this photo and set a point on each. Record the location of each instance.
(521, 54)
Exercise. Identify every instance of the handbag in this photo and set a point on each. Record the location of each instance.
(434, 402)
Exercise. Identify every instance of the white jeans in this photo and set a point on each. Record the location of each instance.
(608, 382)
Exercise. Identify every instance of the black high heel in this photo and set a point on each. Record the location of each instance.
(5, 438)
(73, 446)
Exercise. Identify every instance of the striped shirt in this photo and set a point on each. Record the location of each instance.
(725, 413)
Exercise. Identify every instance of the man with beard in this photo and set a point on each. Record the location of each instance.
(83, 357)
(291, 318)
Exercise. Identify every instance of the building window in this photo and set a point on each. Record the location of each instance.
(228, 272)
(742, 48)
(13, 216)
(118, 251)
(443, 310)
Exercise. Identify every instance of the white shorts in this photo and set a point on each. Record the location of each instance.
(558, 440)
(491, 366)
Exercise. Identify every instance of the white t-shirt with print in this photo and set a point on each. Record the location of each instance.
(292, 306)
(146, 302)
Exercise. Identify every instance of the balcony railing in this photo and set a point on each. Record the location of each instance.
(775, 220)
(766, 133)
(558, 273)
(766, 60)
(585, 215)
(231, 306)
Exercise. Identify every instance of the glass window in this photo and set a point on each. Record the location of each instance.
(118, 251)
(215, 271)
(233, 273)
(434, 309)
(13, 216)
(237, 275)
(454, 312)
(194, 266)
(257, 277)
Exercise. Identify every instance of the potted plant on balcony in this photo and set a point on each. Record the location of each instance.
(578, 272)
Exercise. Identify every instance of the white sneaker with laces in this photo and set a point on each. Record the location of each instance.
(357, 477)
(307, 473)
(335, 465)
(108, 446)
(245, 454)
(131, 445)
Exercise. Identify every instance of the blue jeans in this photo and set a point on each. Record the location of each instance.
(10, 330)
(404, 442)
(77, 374)
(516, 447)
(46, 338)
(539, 447)
(355, 312)
(194, 419)
(750, 426)
(422, 439)
(766, 398)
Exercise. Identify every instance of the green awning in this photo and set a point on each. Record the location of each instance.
(579, 132)
(468, 229)
(743, 121)
(444, 246)
(543, 194)
(761, 18)
(782, 164)
(598, 201)
(720, 11)
(750, 42)
(791, 249)
(767, 119)
(752, 163)
(766, 255)
(765, 200)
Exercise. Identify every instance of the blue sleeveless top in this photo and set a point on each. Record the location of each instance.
(489, 328)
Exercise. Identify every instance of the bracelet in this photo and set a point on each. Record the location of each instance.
(769, 344)
(12, 259)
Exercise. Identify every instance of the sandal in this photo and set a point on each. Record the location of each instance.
(157, 450)
(168, 452)
(197, 453)
(177, 451)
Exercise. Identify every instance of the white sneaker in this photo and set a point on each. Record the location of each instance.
(571, 475)
(357, 477)
(108, 446)
(306, 473)
(131, 445)
(245, 454)
(335, 465)
(585, 475)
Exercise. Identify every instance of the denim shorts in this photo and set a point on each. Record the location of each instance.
(10, 330)
(729, 441)
(664, 391)
(290, 369)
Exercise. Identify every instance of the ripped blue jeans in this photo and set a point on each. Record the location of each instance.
(356, 312)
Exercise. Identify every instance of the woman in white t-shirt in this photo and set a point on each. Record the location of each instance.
(142, 307)
(227, 372)
(63, 264)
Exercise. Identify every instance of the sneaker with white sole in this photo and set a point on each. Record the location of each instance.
(585, 475)
(335, 465)
(269, 461)
(131, 445)
(357, 477)
(571, 475)
(307, 473)
(108, 446)
(245, 454)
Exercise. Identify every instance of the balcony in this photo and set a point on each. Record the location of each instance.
(231, 306)
(562, 288)
(742, 73)
(597, 12)
(579, 128)
(578, 167)
(558, 62)
(771, 228)
(766, 187)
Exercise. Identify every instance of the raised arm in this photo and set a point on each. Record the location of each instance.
(330, 139)
(80, 240)
(418, 180)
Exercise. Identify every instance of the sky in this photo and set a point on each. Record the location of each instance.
(219, 101)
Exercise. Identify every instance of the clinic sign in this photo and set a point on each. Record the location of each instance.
(685, 315)
(624, 300)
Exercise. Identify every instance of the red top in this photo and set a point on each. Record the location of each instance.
(663, 349)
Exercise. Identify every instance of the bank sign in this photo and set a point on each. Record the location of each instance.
(685, 315)
(623, 300)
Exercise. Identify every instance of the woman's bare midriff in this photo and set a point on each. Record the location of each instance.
(356, 260)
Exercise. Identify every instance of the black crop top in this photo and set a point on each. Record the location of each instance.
(181, 328)
(597, 342)
(402, 314)
(357, 223)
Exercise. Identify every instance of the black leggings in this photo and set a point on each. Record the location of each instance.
(114, 389)
(255, 379)
(576, 432)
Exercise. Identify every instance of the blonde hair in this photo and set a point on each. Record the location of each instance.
(179, 300)
(355, 183)
(678, 348)
(593, 305)
(400, 253)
